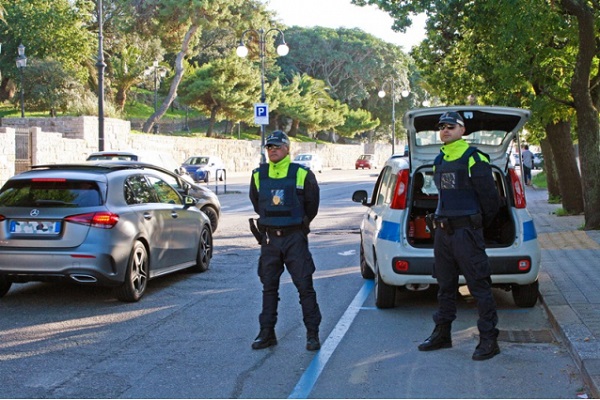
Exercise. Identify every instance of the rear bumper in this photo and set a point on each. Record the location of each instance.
(100, 269)
(505, 270)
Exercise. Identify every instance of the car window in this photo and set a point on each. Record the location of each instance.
(383, 193)
(483, 137)
(138, 190)
(50, 193)
(165, 192)
(170, 179)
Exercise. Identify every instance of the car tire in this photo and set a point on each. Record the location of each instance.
(206, 177)
(136, 276)
(385, 295)
(212, 215)
(365, 270)
(526, 295)
(5, 285)
(205, 249)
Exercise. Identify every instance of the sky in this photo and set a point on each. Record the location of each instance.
(342, 13)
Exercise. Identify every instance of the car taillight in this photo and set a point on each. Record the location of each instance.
(48, 180)
(518, 193)
(400, 191)
(2, 217)
(104, 220)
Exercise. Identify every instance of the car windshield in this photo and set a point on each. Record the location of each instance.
(197, 161)
(50, 193)
(303, 157)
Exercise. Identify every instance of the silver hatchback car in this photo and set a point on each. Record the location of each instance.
(114, 225)
(397, 247)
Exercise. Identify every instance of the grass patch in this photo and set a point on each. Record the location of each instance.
(539, 180)
(554, 200)
(561, 212)
(140, 106)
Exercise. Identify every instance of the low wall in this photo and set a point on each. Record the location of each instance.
(72, 139)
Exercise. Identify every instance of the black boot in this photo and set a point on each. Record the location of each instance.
(439, 339)
(487, 348)
(266, 338)
(312, 341)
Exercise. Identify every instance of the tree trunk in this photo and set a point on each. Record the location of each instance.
(211, 121)
(179, 70)
(294, 129)
(563, 157)
(120, 99)
(588, 127)
(550, 170)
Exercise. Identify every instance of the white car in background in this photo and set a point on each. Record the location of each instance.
(310, 161)
(396, 247)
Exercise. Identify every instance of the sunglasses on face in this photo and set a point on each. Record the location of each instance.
(441, 127)
(273, 147)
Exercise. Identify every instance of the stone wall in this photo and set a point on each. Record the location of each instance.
(72, 139)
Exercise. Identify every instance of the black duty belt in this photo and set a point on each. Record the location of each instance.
(451, 223)
(282, 230)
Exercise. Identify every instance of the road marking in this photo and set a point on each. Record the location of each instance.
(309, 378)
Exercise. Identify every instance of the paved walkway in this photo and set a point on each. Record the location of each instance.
(570, 282)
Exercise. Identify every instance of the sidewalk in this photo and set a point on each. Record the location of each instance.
(570, 282)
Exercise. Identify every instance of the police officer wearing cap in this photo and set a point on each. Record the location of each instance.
(468, 201)
(285, 195)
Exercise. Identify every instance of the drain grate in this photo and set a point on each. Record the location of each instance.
(527, 336)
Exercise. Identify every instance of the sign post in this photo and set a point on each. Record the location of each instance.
(261, 117)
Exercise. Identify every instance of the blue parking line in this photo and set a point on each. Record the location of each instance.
(309, 378)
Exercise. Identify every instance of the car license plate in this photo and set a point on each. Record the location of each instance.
(28, 227)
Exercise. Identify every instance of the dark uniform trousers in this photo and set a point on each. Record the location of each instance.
(463, 252)
(291, 250)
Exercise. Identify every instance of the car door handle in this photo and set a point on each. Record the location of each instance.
(174, 214)
(147, 216)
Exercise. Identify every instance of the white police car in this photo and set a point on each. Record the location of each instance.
(396, 246)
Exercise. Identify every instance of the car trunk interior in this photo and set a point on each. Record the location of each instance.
(423, 201)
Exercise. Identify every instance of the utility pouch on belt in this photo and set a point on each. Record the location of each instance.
(476, 221)
(255, 231)
(430, 222)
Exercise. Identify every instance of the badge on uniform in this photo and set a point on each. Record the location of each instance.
(277, 197)
(448, 180)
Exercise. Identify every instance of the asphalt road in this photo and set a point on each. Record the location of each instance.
(190, 336)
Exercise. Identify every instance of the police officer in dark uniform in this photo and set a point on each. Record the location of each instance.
(285, 195)
(468, 201)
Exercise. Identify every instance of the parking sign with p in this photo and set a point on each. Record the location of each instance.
(261, 114)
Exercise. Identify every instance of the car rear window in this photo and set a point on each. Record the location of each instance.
(50, 193)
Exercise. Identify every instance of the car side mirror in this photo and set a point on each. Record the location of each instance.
(189, 201)
(360, 196)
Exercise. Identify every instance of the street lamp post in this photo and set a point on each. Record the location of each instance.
(101, 65)
(155, 127)
(21, 64)
(242, 51)
(381, 94)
